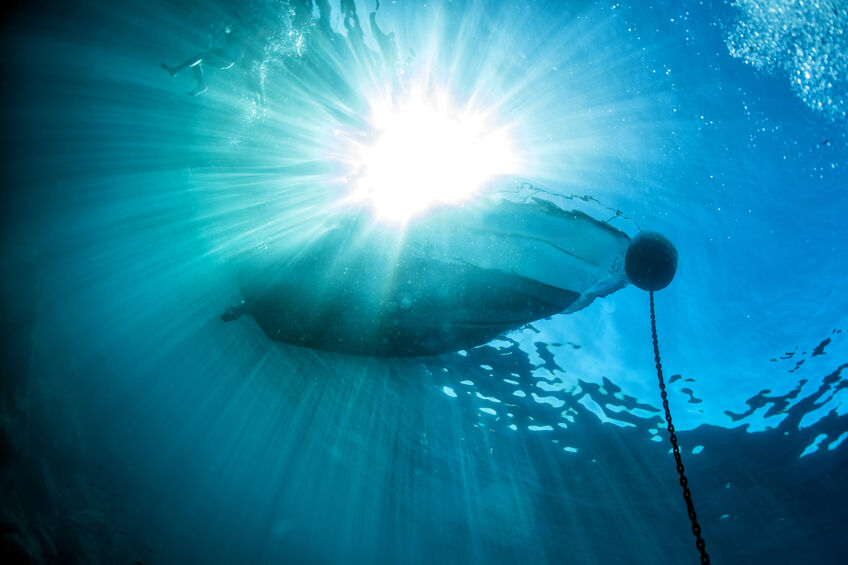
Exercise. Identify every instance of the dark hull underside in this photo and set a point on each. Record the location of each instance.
(427, 309)
(455, 280)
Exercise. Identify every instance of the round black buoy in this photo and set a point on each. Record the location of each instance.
(651, 261)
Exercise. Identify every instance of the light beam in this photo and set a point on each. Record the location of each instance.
(424, 152)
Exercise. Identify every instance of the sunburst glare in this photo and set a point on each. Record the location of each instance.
(425, 152)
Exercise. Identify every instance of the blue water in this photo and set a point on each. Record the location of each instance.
(138, 427)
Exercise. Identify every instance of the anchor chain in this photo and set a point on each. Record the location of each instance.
(684, 482)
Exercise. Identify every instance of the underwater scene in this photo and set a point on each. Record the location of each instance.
(424, 282)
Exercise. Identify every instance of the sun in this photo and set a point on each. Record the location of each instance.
(424, 153)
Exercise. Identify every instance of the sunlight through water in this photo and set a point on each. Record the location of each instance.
(360, 298)
(425, 152)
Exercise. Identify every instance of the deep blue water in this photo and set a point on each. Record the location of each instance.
(138, 427)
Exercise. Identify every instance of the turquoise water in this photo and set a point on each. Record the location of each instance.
(139, 427)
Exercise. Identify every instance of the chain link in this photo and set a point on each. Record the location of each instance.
(684, 482)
